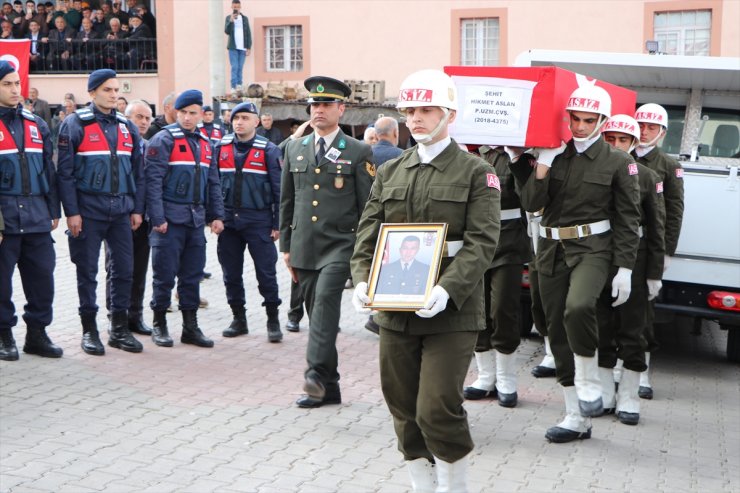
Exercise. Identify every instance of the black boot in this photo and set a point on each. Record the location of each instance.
(136, 324)
(160, 334)
(38, 343)
(120, 336)
(191, 333)
(238, 326)
(8, 349)
(90, 338)
(274, 334)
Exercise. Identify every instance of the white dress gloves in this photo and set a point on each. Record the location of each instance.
(621, 286)
(436, 303)
(666, 262)
(359, 298)
(547, 156)
(653, 286)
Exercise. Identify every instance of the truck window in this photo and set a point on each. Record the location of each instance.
(672, 140)
(720, 136)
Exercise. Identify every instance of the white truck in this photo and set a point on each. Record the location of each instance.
(702, 97)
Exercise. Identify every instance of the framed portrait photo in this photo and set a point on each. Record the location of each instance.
(405, 265)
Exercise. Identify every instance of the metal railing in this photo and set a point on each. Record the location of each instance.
(78, 56)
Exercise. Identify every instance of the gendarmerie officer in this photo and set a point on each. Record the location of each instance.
(496, 345)
(425, 355)
(30, 208)
(249, 167)
(208, 127)
(621, 329)
(183, 195)
(590, 194)
(326, 180)
(101, 185)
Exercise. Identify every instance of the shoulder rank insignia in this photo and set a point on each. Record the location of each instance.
(370, 168)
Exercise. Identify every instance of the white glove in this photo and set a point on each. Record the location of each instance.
(513, 152)
(621, 286)
(547, 156)
(436, 303)
(359, 298)
(666, 262)
(654, 286)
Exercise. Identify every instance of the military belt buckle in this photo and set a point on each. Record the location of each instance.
(568, 233)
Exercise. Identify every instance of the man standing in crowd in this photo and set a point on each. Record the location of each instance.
(168, 116)
(326, 180)
(101, 184)
(239, 44)
(210, 128)
(249, 166)
(39, 106)
(30, 209)
(268, 131)
(183, 195)
(386, 128)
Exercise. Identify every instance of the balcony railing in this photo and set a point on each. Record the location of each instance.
(78, 56)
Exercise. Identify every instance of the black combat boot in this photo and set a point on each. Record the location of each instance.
(8, 349)
(38, 343)
(90, 338)
(238, 326)
(120, 336)
(274, 334)
(160, 334)
(191, 333)
(136, 324)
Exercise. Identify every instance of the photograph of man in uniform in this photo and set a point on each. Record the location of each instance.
(407, 275)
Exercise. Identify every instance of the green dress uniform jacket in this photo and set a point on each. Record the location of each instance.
(652, 219)
(583, 189)
(455, 188)
(671, 172)
(320, 205)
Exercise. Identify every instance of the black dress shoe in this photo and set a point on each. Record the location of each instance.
(557, 434)
(292, 326)
(308, 402)
(507, 400)
(592, 408)
(314, 388)
(645, 392)
(8, 348)
(473, 394)
(91, 343)
(543, 372)
(137, 325)
(628, 418)
(372, 326)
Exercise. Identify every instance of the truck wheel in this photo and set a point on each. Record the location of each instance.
(733, 343)
(525, 320)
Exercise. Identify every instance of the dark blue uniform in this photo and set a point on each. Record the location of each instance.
(186, 196)
(105, 190)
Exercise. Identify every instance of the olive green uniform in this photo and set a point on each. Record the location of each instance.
(503, 280)
(621, 329)
(582, 188)
(423, 362)
(320, 207)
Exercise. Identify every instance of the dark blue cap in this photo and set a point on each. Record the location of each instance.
(6, 68)
(186, 98)
(207, 108)
(245, 107)
(98, 77)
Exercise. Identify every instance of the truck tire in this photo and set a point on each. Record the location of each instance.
(733, 343)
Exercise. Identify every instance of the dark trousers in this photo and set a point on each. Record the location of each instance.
(538, 313)
(422, 378)
(181, 253)
(295, 314)
(84, 252)
(322, 290)
(502, 301)
(652, 341)
(34, 255)
(569, 298)
(141, 265)
(621, 329)
(231, 245)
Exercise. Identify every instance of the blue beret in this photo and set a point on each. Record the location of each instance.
(207, 108)
(245, 107)
(186, 98)
(98, 77)
(6, 68)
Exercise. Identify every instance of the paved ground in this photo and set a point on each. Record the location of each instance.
(187, 419)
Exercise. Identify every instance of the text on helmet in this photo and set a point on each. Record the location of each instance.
(648, 116)
(419, 95)
(585, 103)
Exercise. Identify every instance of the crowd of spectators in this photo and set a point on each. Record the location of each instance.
(75, 35)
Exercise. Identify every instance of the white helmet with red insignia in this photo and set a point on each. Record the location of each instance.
(591, 98)
(624, 124)
(428, 88)
(652, 113)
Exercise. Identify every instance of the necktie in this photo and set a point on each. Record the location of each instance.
(320, 153)
(405, 267)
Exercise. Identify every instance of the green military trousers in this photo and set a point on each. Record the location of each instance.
(538, 313)
(503, 296)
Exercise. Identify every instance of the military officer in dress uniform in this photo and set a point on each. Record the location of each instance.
(496, 346)
(326, 180)
(249, 166)
(653, 121)
(406, 275)
(183, 195)
(209, 128)
(621, 329)
(30, 206)
(101, 185)
(590, 194)
(425, 355)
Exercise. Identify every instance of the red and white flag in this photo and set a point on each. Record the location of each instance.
(18, 53)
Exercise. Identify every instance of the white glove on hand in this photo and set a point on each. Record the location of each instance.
(513, 152)
(547, 156)
(436, 303)
(653, 288)
(359, 298)
(621, 286)
(667, 262)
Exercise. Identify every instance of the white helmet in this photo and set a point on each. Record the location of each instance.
(652, 113)
(428, 88)
(591, 99)
(623, 124)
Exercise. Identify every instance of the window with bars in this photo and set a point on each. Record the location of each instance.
(479, 43)
(284, 48)
(685, 32)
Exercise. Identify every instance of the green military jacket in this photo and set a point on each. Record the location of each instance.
(320, 204)
(671, 172)
(601, 183)
(514, 245)
(652, 220)
(456, 188)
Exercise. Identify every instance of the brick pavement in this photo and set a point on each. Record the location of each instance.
(187, 419)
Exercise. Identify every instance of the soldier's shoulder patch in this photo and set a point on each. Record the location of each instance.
(679, 172)
(492, 181)
(151, 151)
(659, 187)
(632, 169)
(370, 168)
